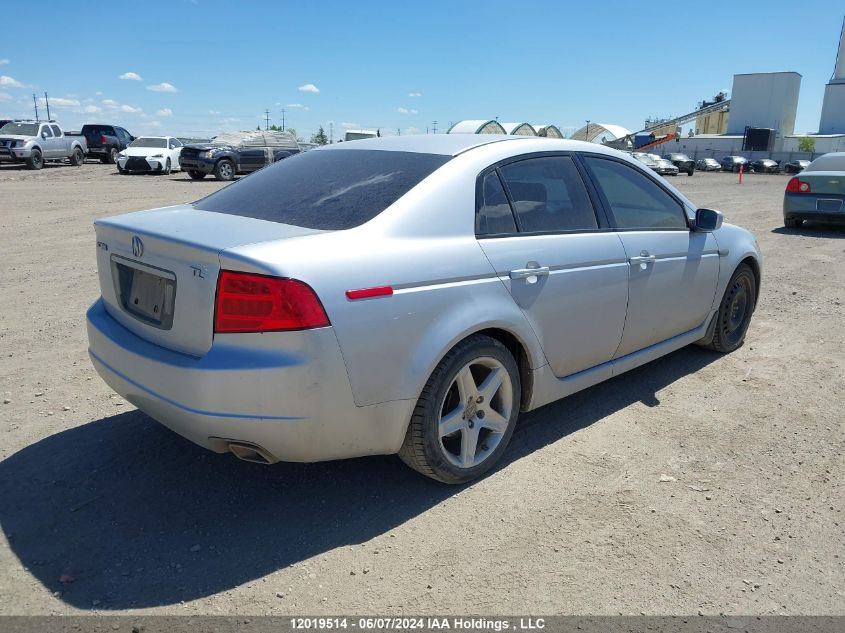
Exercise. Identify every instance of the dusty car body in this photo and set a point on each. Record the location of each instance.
(408, 295)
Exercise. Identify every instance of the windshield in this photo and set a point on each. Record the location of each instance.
(680, 157)
(24, 129)
(828, 162)
(325, 189)
(644, 158)
(148, 142)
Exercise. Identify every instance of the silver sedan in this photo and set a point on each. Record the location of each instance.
(409, 295)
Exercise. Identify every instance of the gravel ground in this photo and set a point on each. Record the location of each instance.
(698, 483)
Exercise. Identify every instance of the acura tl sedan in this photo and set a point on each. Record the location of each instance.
(409, 295)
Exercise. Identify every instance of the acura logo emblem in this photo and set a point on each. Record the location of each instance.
(137, 246)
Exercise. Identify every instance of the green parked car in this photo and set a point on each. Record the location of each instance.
(817, 193)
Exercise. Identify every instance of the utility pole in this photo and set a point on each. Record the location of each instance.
(266, 119)
(47, 102)
(283, 119)
(587, 135)
(434, 127)
(35, 102)
(398, 131)
(331, 133)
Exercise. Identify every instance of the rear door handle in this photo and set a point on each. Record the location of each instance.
(525, 273)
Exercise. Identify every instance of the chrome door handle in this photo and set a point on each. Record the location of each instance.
(525, 273)
(643, 259)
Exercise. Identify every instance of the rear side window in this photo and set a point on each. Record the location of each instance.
(102, 130)
(636, 201)
(330, 189)
(549, 195)
(56, 130)
(494, 215)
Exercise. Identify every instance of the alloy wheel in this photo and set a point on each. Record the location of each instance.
(475, 412)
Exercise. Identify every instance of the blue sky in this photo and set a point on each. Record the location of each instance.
(203, 66)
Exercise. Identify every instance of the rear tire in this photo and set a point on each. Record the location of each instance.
(466, 413)
(224, 170)
(735, 311)
(690, 172)
(793, 223)
(35, 160)
(167, 167)
(112, 156)
(77, 157)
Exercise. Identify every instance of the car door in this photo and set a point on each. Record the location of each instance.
(47, 142)
(563, 266)
(61, 146)
(175, 147)
(673, 271)
(252, 158)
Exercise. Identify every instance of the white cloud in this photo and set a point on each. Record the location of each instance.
(415, 94)
(91, 109)
(350, 125)
(111, 103)
(5, 96)
(131, 77)
(129, 109)
(155, 124)
(406, 111)
(165, 112)
(214, 112)
(10, 82)
(99, 93)
(61, 102)
(162, 87)
(4, 62)
(309, 88)
(298, 106)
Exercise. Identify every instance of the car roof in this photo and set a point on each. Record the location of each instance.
(446, 144)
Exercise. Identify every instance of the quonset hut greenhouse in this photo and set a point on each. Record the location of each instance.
(476, 126)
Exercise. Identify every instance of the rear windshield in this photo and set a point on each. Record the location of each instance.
(325, 189)
(829, 162)
(102, 130)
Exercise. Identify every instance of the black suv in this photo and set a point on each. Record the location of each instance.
(105, 141)
(236, 153)
(683, 162)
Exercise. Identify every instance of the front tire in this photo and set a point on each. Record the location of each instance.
(793, 223)
(735, 311)
(224, 170)
(196, 175)
(167, 167)
(35, 160)
(112, 156)
(466, 413)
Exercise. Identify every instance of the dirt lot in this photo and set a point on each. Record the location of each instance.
(101, 508)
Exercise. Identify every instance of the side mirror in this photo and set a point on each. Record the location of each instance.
(44, 135)
(708, 220)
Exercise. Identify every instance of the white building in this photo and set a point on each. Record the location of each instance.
(833, 107)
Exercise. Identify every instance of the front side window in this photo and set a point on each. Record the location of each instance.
(636, 201)
(549, 195)
(494, 215)
(45, 129)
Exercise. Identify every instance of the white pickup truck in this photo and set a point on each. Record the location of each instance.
(36, 142)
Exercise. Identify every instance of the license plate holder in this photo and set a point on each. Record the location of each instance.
(829, 205)
(145, 292)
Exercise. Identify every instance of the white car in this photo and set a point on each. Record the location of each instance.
(158, 154)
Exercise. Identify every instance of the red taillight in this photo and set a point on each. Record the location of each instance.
(368, 293)
(104, 140)
(796, 185)
(247, 302)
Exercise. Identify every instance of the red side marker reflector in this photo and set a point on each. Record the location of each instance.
(368, 293)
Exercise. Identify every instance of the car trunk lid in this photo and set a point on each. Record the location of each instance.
(824, 182)
(158, 269)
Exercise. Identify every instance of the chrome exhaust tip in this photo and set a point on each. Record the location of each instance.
(251, 453)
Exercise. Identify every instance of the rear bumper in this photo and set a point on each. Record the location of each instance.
(285, 392)
(810, 206)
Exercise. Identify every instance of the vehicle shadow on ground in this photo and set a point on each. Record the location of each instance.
(814, 229)
(126, 513)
